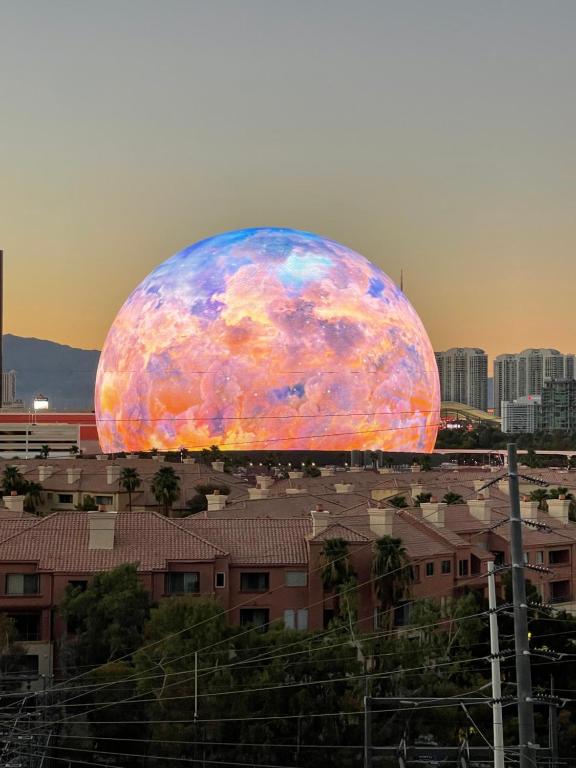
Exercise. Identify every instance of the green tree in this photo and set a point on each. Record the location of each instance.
(422, 498)
(130, 480)
(452, 498)
(391, 571)
(108, 617)
(177, 629)
(74, 450)
(44, 452)
(166, 488)
(540, 495)
(33, 497)
(337, 574)
(13, 480)
(398, 501)
(88, 504)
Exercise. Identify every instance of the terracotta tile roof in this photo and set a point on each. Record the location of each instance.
(338, 531)
(256, 541)
(60, 543)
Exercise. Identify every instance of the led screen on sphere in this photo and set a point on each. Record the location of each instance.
(267, 339)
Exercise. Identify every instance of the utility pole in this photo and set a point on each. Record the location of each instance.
(526, 732)
(497, 726)
(553, 726)
(367, 732)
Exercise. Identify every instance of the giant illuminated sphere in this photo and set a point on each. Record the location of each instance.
(267, 339)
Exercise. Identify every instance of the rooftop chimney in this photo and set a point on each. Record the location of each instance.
(479, 509)
(258, 493)
(74, 474)
(101, 529)
(216, 500)
(44, 472)
(343, 487)
(434, 512)
(529, 509)
(113, 473)
(381, 520)
(320, 520)
(559, 509)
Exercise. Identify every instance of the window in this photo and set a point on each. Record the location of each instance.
(257, 616)
(182, 583)
(220, 580)
(296, 619)
(498, 558)
(296, 579)
(446, 566)
(401, 614)
(65, 498)
(27, 625)
(254, 582)
(559, 557)
(526, 557)
(462, 567)
(414, 573)
(22, 584)
(429, 569)
(539, 557)
(103, 501)
(560, 591)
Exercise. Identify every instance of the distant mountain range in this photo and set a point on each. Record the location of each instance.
(65, 375)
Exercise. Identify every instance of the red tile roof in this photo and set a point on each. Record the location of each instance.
(256, 541)
(60, 543)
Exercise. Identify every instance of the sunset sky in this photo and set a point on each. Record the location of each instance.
(434, 136)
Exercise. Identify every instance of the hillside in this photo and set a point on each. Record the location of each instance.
(64, 374)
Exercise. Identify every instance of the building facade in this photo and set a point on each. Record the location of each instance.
(559, 405)
(463, 373)
(523, 375)
(522, 416)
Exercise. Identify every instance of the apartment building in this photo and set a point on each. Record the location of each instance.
(258, 549)
(523, 375)
(463, 375)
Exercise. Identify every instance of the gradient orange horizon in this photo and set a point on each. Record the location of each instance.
(435, 138)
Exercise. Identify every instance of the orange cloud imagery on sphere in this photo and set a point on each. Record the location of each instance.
(267, 339)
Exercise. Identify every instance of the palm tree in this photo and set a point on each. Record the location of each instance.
(130, 480)
(452, 498)
(540, 495)
(391, 570)
(336, 569)
(33, 497)
(12, 480)
(422, 498)
(398, 501)
(74, 450)
(556, 493)
(44, 451)
(166, 488)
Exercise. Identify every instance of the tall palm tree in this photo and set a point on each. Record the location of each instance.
(391, 570)
(33, 496)
(12, 480)
(166, 488)
(130, 480)
(336, 569)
